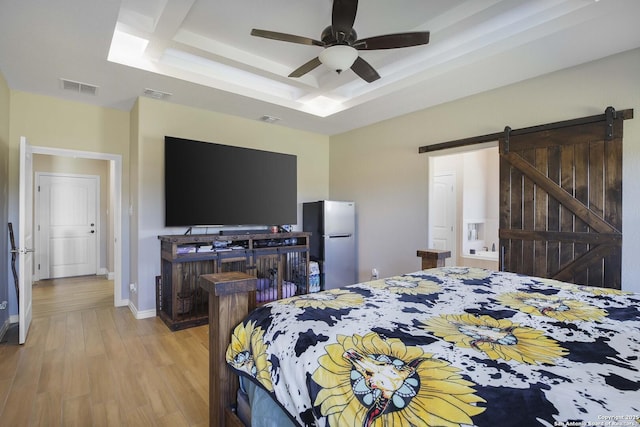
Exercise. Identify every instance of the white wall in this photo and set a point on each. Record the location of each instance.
(380, 169)
(155, 119)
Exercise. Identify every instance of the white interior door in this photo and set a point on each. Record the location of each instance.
(25, 236)
(68, 226)
(443, 214)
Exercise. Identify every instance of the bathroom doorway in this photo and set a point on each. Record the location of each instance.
(476, 204)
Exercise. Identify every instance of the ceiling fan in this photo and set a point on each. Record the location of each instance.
(341, 44)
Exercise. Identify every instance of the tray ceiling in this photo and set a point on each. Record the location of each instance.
(201, 53)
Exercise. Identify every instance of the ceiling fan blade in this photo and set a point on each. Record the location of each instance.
(305, 68)
(363, 69)
(343, 16)
(393, 41)
(286, 37)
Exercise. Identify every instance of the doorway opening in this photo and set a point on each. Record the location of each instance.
(467, 212)
(112, 221)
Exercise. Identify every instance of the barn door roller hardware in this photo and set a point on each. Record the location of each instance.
(507, 135)
(610, 114)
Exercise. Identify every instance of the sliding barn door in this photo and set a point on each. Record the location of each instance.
(561, 202)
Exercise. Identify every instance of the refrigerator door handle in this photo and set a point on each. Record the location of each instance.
(333, 236)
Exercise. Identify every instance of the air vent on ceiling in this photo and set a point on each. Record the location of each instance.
(156, 94)
(269, 119)
(79, 87)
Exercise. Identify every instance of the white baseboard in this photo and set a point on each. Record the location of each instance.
(122, 303)
(111, 275)
(145, 314)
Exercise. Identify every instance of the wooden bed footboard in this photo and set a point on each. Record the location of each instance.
(231, 298)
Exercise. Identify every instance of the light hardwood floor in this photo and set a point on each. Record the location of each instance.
(86, 363)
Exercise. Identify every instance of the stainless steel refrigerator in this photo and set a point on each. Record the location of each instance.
(333, 240)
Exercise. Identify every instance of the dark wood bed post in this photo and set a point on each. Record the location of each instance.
(432, 258)
(231, 297)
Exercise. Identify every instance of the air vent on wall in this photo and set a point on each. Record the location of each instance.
(156, 94)
(79, 87)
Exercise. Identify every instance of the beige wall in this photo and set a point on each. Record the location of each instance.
(54, 123)
(5, 277)
(157, 119)
(380, 169)
(43, 163)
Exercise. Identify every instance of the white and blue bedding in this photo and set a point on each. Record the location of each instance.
(447, 347)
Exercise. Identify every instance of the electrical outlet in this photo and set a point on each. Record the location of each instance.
(132, 288)
(374, 273)
(3, 305)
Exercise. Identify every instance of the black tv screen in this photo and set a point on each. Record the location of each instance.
(211, 184)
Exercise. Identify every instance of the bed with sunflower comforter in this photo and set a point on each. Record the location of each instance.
(447, 347)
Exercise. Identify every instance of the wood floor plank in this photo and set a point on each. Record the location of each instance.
(130, 391)
(9, 358)
(74, 333)
(17, 408)
(175, 419)
(193, 407)
(5, 388)
(76, 412)
(93, 343)
(101, 379)
(135, 348)
(46, 409)
(75, 376)
(28, 368)
(106, 414)
(161, 399)
(52, 371)
(158, 355)
(88, 363)
(105, 318)
(56, 335)
(113, 344)
(140, 417)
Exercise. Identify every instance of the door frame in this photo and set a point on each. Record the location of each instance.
(115, 177)
(42, 248)
(25, 240)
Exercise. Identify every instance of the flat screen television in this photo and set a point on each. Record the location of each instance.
(209, 184)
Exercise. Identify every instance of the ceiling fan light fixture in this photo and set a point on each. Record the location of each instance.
(338, 57)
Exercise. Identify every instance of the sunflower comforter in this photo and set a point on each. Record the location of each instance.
(448, 347)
